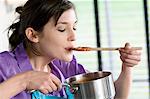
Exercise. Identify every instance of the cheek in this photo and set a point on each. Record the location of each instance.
(53, 43)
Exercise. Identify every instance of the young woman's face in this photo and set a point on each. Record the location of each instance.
(56, 40)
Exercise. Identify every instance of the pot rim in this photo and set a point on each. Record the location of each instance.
(78, 79)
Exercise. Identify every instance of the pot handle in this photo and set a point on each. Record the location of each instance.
(73, 89)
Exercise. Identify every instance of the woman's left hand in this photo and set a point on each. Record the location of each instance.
(130, 57)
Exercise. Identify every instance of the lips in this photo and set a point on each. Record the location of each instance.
(69, 48)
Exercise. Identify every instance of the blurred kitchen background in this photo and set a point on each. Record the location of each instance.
(103, 23)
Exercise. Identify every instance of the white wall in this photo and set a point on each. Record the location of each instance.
(7, 16)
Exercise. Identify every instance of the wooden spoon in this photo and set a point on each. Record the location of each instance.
(101, 49)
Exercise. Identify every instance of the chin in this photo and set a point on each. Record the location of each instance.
(68, 58)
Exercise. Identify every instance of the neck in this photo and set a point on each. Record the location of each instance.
(39, 62)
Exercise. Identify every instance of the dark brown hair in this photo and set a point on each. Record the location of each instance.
(35, 14)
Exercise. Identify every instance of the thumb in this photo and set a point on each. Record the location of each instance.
(127, 46)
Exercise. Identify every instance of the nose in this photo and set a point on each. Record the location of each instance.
(72, 36)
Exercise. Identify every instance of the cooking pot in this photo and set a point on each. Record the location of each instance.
(93, 85)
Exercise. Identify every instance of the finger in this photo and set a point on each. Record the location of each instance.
(45, 87)
(130, 56)
(56, 81)
(129, 61)
(130, 51)
(44, 90)
(53, 86)
(48, 86)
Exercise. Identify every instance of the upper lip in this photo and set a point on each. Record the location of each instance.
(69, 48)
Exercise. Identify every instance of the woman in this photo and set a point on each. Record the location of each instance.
(40, 56)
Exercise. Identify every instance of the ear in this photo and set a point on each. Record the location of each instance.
(32, 35)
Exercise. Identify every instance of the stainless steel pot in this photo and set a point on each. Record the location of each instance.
(94, 85)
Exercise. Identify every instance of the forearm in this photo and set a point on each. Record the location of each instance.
(123, 83)
(12, 86)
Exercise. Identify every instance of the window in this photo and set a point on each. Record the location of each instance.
(123, 21)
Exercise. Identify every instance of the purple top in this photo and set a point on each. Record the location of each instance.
(17, 61)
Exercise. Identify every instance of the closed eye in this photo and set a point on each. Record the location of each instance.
(61, 30)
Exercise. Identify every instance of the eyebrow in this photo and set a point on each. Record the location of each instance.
(65, 22)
